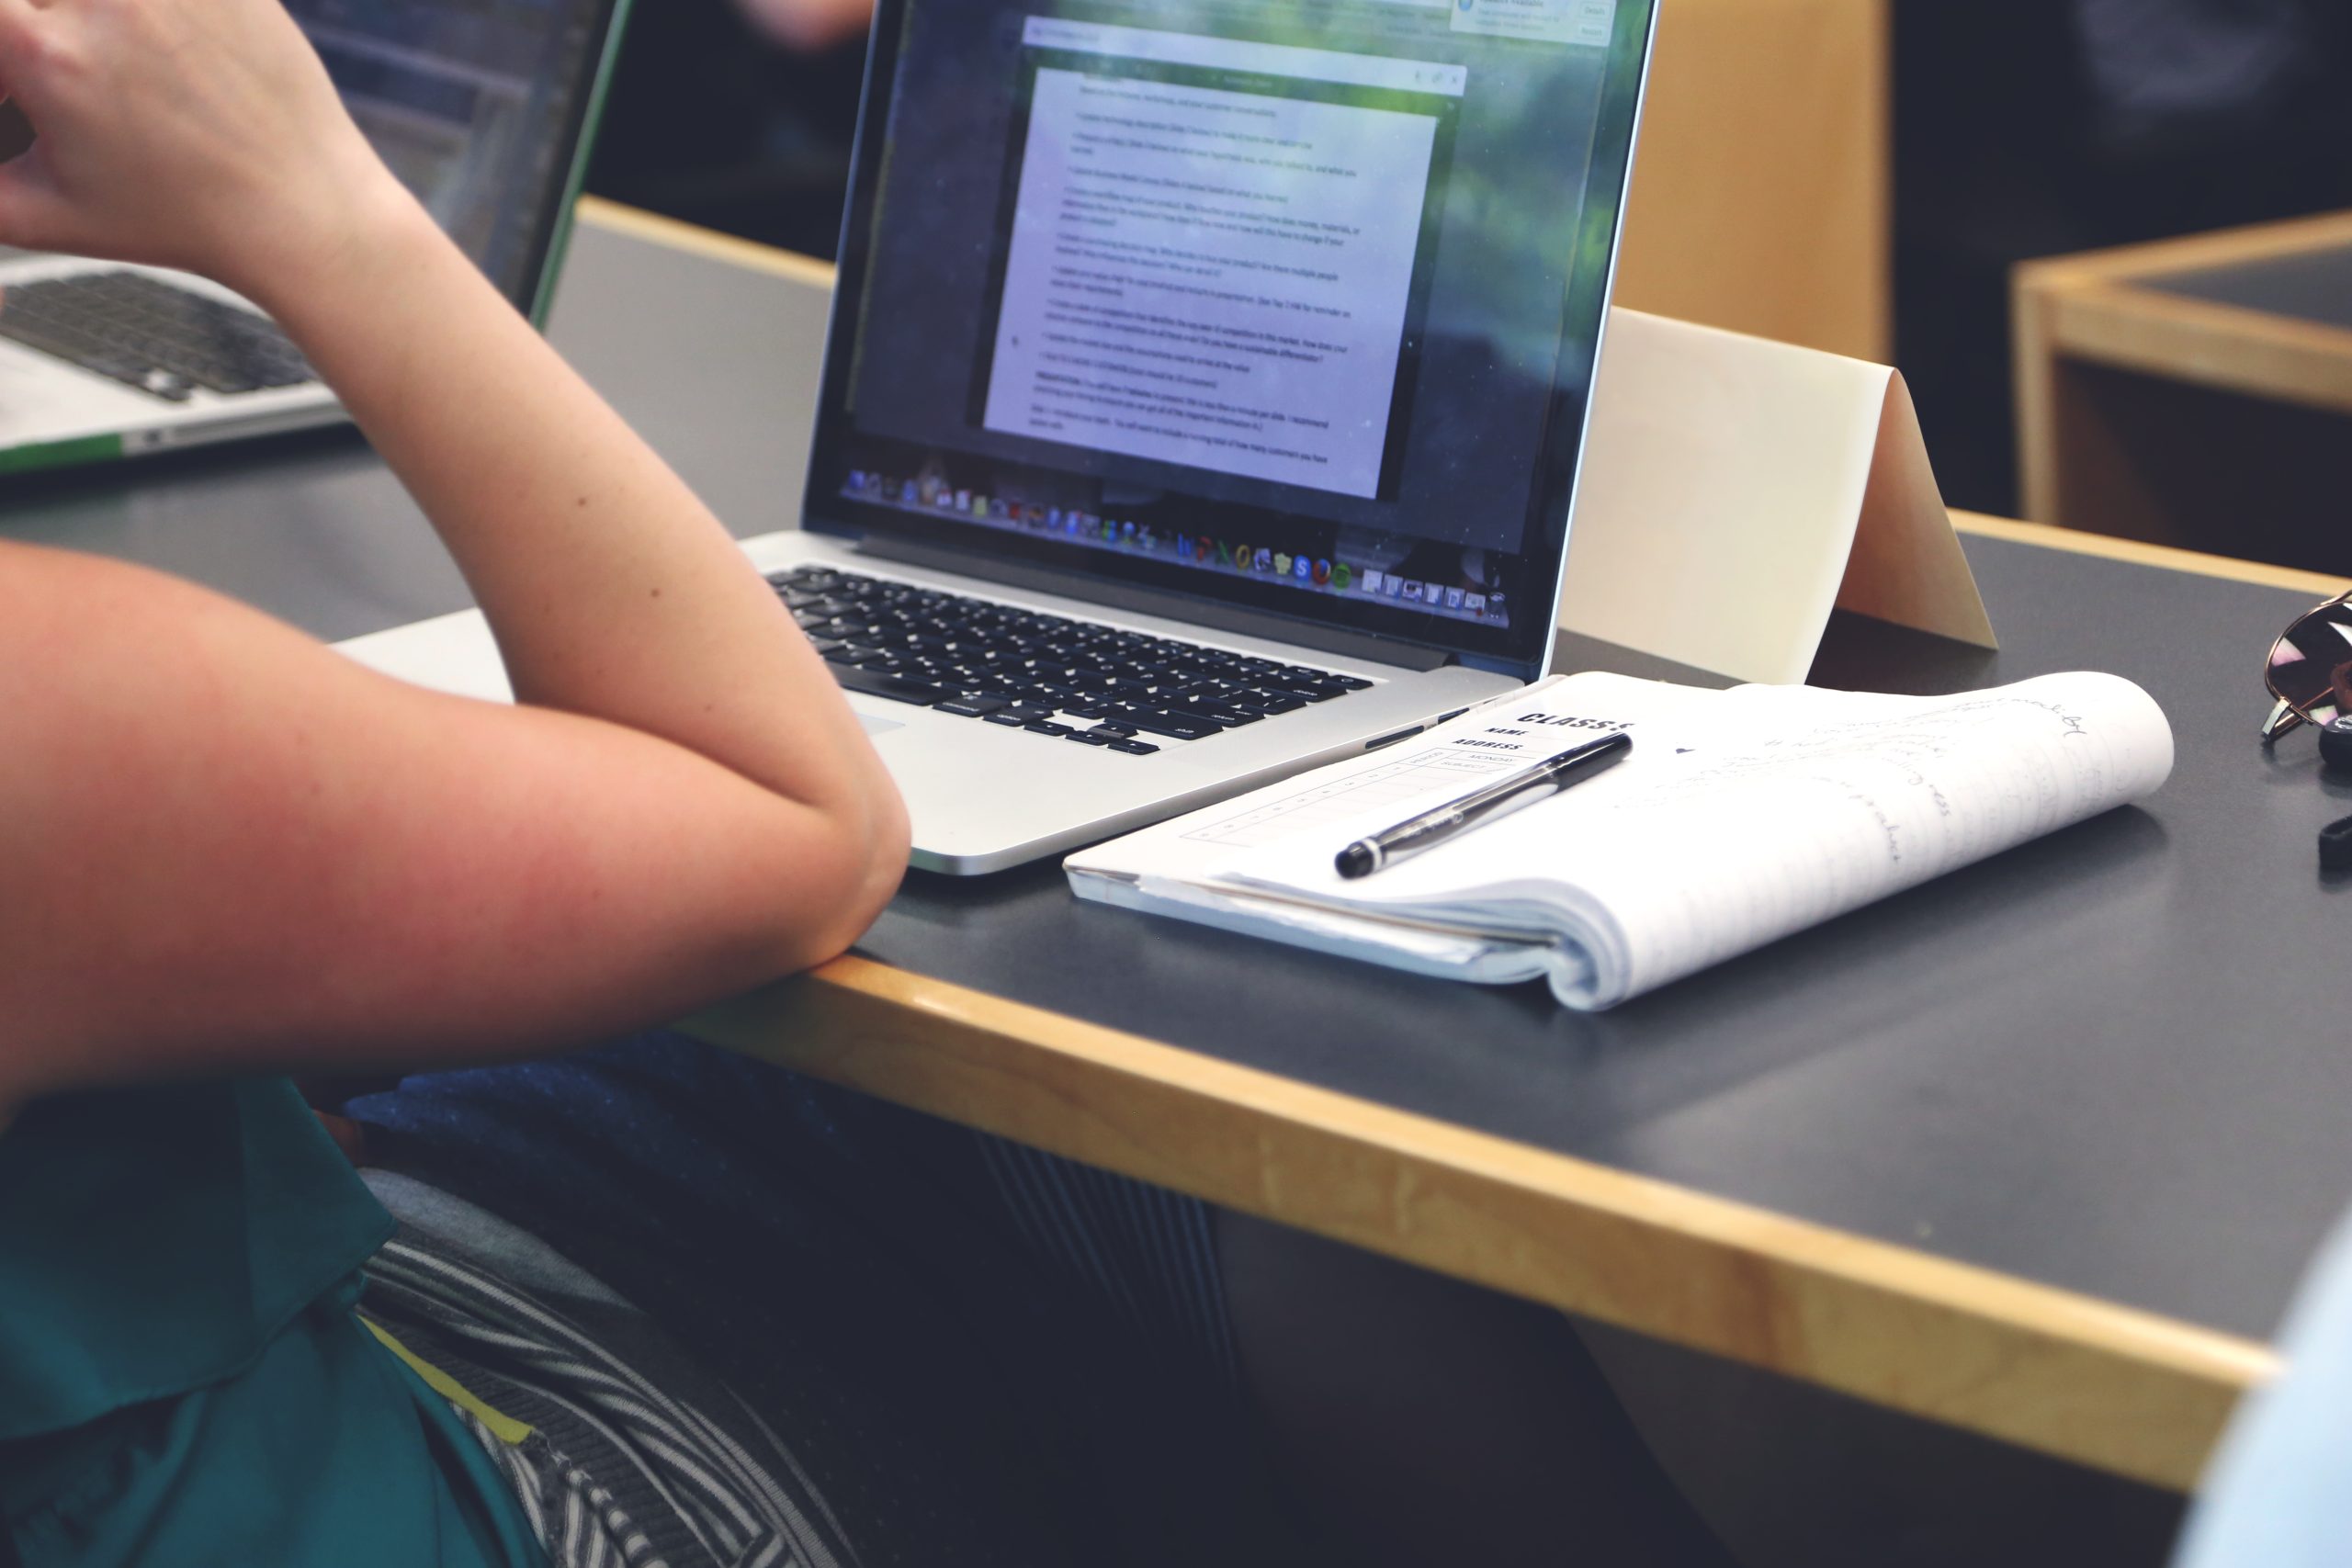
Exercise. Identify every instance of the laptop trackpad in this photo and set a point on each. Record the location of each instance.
(878, 725)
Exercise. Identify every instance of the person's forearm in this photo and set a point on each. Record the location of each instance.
(614, 592)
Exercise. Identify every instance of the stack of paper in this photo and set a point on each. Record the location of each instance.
(1740, 818)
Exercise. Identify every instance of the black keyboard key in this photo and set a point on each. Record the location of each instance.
(897, 688)
(1115, 730)
(1010, 720)
(1047, 727)
(1175, 727)
(1135, 748)
(1352, 682)
(1268, 702)
(974, 707)
(1230, 717)
(1087, 738)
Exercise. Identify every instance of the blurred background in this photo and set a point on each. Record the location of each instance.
(1861, 175)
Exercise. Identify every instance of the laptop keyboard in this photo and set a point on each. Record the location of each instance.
(1075, 681)
(146, 333)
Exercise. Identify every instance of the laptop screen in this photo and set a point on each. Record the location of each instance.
(479, 105)
(1290, 304)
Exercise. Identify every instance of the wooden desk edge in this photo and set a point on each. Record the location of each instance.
(2100, 1384)
(2232, 348)
(2088, 1380)
(639, 224)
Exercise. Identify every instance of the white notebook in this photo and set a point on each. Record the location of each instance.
(1739, 818)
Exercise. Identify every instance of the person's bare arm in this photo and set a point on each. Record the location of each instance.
(224, 845)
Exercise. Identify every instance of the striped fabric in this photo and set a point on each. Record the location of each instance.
(981, 1356)
(1147, 1253)
(615, 1471)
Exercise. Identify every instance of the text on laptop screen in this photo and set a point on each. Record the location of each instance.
(1273, 297)
(473, 103)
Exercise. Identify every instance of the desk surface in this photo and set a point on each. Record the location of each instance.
(2309, 285)
(2073, 1064)
(2039, 1150)
(2294, 271)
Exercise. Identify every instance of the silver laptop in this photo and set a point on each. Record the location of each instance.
(1205, 392)
(485, 108)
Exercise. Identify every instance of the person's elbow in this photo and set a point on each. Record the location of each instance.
(888, 840)
(851, 879)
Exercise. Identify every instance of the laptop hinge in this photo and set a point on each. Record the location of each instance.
(1171, 607)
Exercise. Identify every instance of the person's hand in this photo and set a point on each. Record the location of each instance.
(198, 134)
(810, 25)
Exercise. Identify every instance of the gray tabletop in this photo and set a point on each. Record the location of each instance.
(2112, 1062)
(2309, 285)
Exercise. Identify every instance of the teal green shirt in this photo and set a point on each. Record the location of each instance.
(183, 1380)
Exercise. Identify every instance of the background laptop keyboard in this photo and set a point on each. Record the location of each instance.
(146, 333)
(1075, 681)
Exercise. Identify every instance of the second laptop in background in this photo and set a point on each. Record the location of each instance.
(484, 109)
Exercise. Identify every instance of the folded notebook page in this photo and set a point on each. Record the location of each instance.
(1740, 818)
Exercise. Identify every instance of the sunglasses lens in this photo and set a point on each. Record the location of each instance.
(2311, 666)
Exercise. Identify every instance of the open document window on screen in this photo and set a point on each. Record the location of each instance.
(1285, 303)
(1218, 251)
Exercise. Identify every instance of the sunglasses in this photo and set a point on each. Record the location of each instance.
(2310, 670)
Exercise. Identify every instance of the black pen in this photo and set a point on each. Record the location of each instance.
(1497, 800)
